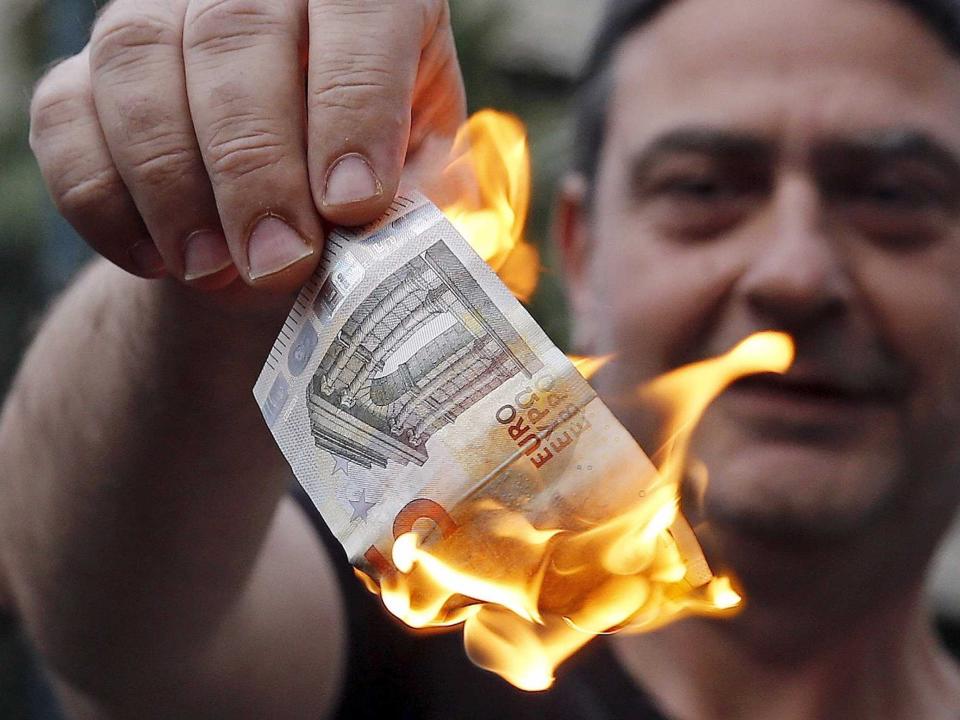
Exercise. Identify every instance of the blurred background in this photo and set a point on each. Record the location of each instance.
(517, 55)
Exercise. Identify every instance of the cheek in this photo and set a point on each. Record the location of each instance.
(653, 303)
(655, 299)
(917, 304)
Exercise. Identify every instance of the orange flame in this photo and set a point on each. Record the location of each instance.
(587, 365)
(686, 393)
(529, 596)
(490, 165)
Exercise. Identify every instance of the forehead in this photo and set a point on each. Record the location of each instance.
(793, 71)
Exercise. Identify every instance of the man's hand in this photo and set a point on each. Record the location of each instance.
(203, 138)
(150, 553)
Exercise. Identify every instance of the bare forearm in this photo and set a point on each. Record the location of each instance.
(137, 478)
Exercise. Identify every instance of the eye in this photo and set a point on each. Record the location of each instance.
(696, 206)
(900, 208)
(896, 193)
(693, 187)
(890, 187)
(694, 196)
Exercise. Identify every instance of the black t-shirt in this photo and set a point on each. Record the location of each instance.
(399, 673)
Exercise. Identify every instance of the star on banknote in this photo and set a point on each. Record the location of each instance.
(340, 465)
(361, 507)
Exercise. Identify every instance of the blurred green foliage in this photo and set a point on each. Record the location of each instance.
(21, 197)
(539, 98)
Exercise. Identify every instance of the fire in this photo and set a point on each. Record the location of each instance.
(530, 596)
(685, 393)
(588, 366)
(490, 166)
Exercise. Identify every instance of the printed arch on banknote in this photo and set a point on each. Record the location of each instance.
(422, 348)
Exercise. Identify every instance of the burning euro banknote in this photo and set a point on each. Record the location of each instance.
(468, 468)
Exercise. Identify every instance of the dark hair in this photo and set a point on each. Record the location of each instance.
(622, 17)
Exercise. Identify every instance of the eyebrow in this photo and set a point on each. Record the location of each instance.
(702, 141)
(898, 144)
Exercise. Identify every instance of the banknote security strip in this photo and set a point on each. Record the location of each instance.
(407, 380)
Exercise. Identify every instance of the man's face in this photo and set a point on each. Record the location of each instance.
(790, 166)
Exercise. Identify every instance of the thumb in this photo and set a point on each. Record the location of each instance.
(377, 70)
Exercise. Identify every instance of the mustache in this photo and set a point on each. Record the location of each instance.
(838, 366)
(835, 363)
(830, 363)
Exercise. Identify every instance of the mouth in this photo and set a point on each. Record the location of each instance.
(806, 399)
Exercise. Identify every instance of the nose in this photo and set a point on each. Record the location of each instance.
(797, 275)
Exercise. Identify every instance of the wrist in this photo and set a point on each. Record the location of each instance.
(180, 338)
(235, 321)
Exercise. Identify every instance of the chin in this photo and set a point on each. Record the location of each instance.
(796, 493)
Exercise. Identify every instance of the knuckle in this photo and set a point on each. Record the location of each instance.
(78, 192)
(122, 38)
(59, 101)
(348, 94)
(163, 162)
(242, 146)
(418, 16)
(351, 87)
(356, 10)
(144, 118)
(224, 26)
(62, 122)
(49, 111)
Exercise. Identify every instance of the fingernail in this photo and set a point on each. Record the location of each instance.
(351, 180)
(146, 258)
(205, 253)
(274, 246)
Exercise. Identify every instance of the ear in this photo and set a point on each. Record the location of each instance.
(571, 232)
